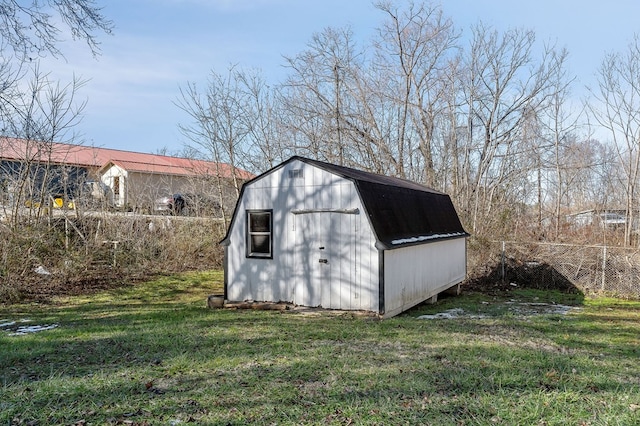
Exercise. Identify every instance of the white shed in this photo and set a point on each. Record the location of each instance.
(317, 234)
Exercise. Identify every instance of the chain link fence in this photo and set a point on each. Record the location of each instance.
(590, 269)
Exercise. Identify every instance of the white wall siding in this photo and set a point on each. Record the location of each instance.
(416, 273)
(349, 279)
(251, 279)
(108, 178)
(144, 188)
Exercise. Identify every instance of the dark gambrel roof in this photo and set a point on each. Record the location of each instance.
(401, 212)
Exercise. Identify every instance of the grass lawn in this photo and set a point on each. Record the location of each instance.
(153, 354)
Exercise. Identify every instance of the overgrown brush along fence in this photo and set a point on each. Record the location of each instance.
(69, 254)
(87, 252)
(590, 269)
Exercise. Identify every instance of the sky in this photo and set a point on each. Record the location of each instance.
(160, 46)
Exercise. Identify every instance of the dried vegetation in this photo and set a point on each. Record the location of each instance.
(83, 255)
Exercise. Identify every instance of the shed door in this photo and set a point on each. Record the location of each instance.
(314, 258)
(325, 257)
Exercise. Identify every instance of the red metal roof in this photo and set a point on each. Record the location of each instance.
(180, 168)
(86, 156)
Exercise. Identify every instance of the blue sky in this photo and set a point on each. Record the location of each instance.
(159, 46)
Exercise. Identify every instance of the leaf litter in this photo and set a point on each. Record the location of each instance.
(524, 309)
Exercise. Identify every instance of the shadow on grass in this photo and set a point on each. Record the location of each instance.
(238, 366)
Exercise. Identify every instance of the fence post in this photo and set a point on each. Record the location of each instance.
(502, 274)
(604, 267)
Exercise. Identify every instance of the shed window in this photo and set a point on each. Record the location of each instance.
(259, 233)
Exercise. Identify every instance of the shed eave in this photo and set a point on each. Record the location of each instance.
(415, 241)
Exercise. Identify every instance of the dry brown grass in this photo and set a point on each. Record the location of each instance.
(83, 255)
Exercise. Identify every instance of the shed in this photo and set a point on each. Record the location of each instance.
(321, 235)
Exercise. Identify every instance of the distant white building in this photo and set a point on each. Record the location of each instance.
(135, 179)
(139, 179)
(609, 218)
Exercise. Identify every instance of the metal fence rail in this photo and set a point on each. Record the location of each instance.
(591, 269)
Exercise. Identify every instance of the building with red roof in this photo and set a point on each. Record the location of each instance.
(135, 179)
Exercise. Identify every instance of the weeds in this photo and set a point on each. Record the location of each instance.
(83, 255)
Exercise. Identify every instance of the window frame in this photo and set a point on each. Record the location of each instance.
(252, 254)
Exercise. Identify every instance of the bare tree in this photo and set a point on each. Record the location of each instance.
(559, 125)
(222, 126)
(414, 49)
(486, 122)
(44, 113)
(32, 107)
(263, 118)
(318, 96)
(618, 111)
(378, 112)
(504, 84)
(31, 28)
